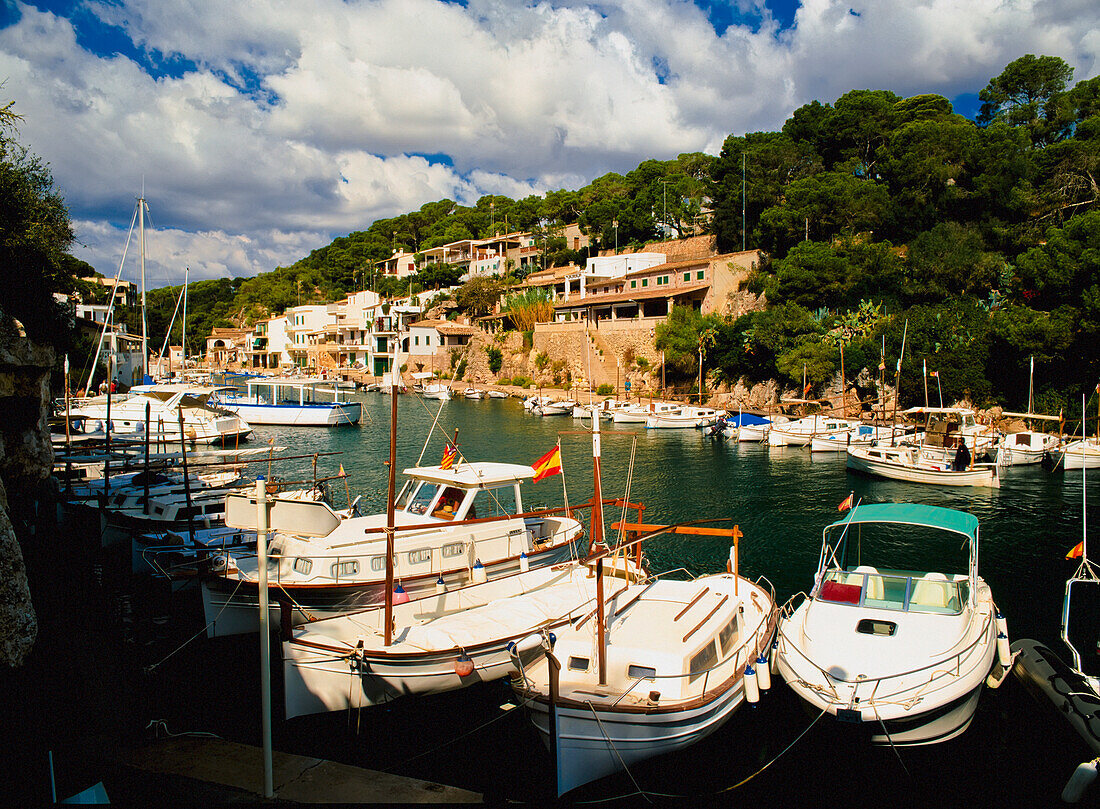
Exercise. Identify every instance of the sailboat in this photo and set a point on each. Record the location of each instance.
(1027, 446)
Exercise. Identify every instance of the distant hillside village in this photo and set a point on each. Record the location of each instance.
(596, 326)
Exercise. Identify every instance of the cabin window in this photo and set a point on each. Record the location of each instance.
(403, 495)
(423, 497)
(449, 503)
(728, 635)
(869, 626)
(303, 566)
(578, 663)
(345, 569)
(420, 556)
(378, 563)
(453, 549)
(492, 503)
(702, 662)
(635, 672)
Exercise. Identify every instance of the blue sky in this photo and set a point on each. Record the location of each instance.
(261, 129)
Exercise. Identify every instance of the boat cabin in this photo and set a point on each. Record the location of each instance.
(945, 426)
(902, 590)
(463, 492)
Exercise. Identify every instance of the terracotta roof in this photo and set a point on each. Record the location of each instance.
(632, 295)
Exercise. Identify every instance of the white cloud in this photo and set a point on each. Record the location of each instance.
(303, 120)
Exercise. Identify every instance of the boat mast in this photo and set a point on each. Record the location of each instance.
(595, 531)
(144, 321)
(390, 497)
(183, 333)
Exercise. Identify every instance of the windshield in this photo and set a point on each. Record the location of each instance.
(422, 497)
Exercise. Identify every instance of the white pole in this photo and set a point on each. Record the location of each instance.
(144, 324)
(265, 635)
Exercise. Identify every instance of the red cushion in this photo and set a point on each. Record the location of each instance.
(843, 593)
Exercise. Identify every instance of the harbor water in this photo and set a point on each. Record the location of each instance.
(1016, 750)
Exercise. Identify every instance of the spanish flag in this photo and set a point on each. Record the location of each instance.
(549, 464)
(1076, 551)
(342, 474)
(449, 454)
(846, 503)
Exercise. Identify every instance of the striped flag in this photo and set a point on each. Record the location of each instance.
(934, 373)
(1076, 551)
(548, 465)
(846, 503)
(449, 454)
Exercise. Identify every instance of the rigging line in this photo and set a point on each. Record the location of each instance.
(456, 739)
(890, 739)
(454, 373)
(111, 304)
(151, 668)
(615, 750)
(781, 753)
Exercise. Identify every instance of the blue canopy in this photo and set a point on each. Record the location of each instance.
(746, 418)
(945, 519)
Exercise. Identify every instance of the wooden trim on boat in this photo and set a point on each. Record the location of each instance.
(698, 626)
(691, 603)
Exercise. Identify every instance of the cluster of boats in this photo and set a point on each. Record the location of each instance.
(456, 583)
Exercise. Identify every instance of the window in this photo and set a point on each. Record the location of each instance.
(635, 672)
(345, 569)
(416, 341)
(633, 284)
(377, 563)
(578, 663)
(449, 503)
(303, 566)
(687, 276)
(420, 556)
(453, 549)
(728, 635)
(645, 282)
(702, 661)
(869, 626)
(701, 274)
(423, 497)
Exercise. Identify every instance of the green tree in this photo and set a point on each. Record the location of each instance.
(34, 235)
(680, 335)
(1029, 92)
(479, 295)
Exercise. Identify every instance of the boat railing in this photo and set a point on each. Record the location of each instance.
(951, 667)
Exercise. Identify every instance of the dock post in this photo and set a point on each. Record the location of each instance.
(265, 634)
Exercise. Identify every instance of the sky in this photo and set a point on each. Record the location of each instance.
(259, 130)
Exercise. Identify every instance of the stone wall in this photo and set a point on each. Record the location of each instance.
(26, 459)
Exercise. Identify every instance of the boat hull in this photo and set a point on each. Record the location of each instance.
(1047, 676)
(321, 414)
(980, 476)
(588, 748)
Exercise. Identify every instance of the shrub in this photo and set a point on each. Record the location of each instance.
(522, 381)
(567, 386)
(460, 372)
(541, 360)
(496, 358)
(605, 390)
(642, 363)
(528, 339)
(504, 381)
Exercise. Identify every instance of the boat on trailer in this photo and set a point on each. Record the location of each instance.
(903, 654)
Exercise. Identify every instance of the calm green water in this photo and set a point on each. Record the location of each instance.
(781, 498)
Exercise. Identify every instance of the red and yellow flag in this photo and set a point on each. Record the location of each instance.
(1076, 551)
(846, 503)
(342, 473)
(449, 454)
(549, 464)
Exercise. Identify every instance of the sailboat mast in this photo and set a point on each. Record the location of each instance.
(183, 333)
(390, 507)
(596, 534)
(144, 322)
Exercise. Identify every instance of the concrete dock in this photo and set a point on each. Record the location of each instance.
(188, 767)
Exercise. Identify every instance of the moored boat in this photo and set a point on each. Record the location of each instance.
(913, 464)
(297, 403)
(902, 653)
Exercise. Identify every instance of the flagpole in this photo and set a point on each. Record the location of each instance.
(564, 493)
(924, 362)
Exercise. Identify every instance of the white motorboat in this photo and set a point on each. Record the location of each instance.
(430, 388)
(1082, 454)
(686, 417)
(638, 413)
(532, 401)
(799, 432)
(673, 662)
(443, 642)
(860, 435)
(204, 422)
(752, 431)
(916, 464)
(295, 403)
(903, 653)
(493, 393)
(458, 524)
(473, 393)
(1026, 447)
(562, 408)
